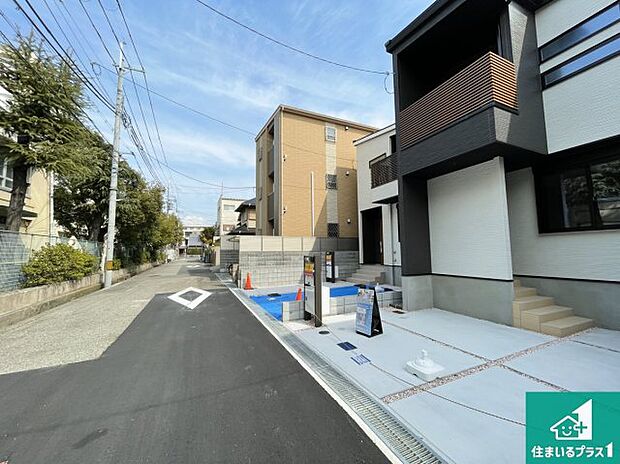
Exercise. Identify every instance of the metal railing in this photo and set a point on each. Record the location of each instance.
(384, 171)
(16, 248)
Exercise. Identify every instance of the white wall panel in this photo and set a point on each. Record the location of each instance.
(560, 15)
(469, 222)
(583, 108)
(581, 255)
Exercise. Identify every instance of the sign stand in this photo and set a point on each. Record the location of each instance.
(330, 266)
(368, 316)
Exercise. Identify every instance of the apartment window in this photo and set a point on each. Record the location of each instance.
(331, 181)
(591, 26)
(330, 133)
(591, 57)
(585, 197)
(229, 207)
(6, 174)
(333, 230)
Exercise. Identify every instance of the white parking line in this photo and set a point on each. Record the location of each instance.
(191, 304)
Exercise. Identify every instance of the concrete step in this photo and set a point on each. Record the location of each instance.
(531, 319)
(363, 280)
(368, 274)
(566, 326)
(516, 283)
(524, 291)
(530, 302)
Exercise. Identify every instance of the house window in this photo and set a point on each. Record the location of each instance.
(585, 197)
(6, 174)
(593, 25)
(333, 230)
(331, 181)
(591, 57)
(330, 133)
(229, 207)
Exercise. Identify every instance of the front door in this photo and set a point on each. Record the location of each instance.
(372, 236)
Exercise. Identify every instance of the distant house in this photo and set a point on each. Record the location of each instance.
(226, 215)
(377, 201)
(246, 223)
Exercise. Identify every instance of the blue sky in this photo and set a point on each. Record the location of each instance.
(200, 59)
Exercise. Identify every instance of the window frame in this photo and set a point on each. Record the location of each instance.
(327, 135)
(331, 182)
(4, 166)
(572, 59)
(564, 166)
(577, 27)
(337, 225)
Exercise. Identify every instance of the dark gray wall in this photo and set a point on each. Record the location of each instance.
(484, 299)
(597, 300)
(526, 129)
(415, 246)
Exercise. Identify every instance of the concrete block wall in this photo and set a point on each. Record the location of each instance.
(228, 257)
(293, 310)
(278, 268)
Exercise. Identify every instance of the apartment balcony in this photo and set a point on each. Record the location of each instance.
(270, 162)
(270, 207)
(384, 180)
(490, 81)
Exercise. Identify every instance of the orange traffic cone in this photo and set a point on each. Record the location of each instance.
(298, 297)
(248, 282)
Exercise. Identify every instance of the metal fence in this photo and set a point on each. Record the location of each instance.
(16, 248)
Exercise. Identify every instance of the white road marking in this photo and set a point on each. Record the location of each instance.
(191, 304)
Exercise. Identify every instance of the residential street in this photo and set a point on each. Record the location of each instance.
(177, 386)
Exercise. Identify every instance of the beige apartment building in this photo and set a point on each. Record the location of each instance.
(306, 175)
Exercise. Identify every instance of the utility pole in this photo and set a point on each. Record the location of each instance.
(107, 282)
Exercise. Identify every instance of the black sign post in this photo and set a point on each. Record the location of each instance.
(312, 291)
(330, 266)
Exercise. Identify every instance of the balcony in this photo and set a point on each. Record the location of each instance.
(489, 81)
(383, 180)
(270, 207)
(383, 171)
(270, 162)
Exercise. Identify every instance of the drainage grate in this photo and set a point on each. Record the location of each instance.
(402, 442)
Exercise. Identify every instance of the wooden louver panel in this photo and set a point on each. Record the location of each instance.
(490, 80)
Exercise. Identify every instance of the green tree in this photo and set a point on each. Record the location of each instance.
(207, 234)
(81, 201)
(41, 118)
(169, 231)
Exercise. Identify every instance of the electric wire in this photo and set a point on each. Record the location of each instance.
(290, 47)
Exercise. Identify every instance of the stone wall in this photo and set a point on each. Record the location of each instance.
(21, 304)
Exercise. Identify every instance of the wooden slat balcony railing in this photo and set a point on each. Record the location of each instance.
(384, 171)
(489, 81)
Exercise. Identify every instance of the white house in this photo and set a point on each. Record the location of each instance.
(377, 202)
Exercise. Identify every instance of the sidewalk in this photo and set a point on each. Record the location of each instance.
(475, 412)
(84, 328)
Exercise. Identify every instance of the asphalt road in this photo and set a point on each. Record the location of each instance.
(208, 385)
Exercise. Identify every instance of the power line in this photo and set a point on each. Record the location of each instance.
(290, 47)
(27, 62)
(90, 20)
(65, 57)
